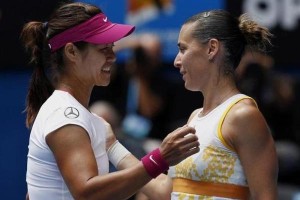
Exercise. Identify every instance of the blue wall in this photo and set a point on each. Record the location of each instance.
(14, 135)
(166, 23)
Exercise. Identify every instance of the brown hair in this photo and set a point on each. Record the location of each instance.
(35, 36)
(235, 33)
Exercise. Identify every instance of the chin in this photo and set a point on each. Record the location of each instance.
(103, 84)
(187, 86)
(190, 87)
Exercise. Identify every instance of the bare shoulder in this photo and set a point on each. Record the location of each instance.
(245, 124)
(246, 114)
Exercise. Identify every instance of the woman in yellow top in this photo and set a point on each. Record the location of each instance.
(237, 158)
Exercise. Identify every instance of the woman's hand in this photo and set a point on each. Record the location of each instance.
(110, 136)
(179, 144)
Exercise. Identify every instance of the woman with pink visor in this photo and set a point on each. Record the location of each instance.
(70, 147)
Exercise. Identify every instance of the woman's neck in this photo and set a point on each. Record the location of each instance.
(82, 95)
(216, 96)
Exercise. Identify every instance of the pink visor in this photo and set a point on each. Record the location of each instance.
(96, 30)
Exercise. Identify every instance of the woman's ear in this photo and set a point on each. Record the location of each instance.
(213, 48)
(71, 52)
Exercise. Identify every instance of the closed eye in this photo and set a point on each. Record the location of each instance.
(107, 48)
(181, 48)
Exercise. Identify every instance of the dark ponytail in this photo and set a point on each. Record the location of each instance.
(33, 36)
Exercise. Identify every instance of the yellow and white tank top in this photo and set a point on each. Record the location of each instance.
(215, 171)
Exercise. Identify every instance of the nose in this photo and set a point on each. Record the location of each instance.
(177, 61)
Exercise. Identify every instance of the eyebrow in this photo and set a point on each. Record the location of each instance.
(110, 45)
(181, 45)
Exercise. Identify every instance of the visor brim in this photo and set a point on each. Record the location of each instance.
(111, 35)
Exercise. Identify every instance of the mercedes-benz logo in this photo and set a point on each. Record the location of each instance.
(71, 113)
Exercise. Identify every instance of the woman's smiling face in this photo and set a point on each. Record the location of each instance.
(192, 59)
(96, 63)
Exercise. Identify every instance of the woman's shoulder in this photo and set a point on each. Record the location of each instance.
(245, 121)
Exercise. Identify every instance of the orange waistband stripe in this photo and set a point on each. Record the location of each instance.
(210, 189)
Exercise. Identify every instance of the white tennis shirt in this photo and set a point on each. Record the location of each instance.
(43, 177)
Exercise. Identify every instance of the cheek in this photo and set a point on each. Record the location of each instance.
(99, 58)
(96, 62)
(194, 66)
(188, 61)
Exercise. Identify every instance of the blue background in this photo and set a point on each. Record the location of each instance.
(14, 135)
(166, 25)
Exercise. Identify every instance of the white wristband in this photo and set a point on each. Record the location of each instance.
(116, 153)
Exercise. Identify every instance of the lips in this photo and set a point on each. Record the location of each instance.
(182, 72)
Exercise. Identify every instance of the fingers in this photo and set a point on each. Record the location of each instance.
(183, 135)
(188, 148)
(191, 151)
(110, 135)
(180, 144)
(108, 128)
(188, 139)
(190, 145)
(184, 153)
(184, 131)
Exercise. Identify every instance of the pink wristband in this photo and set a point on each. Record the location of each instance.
(154, 163)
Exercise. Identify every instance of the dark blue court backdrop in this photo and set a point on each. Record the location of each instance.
(14, 135)
(164, 19)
